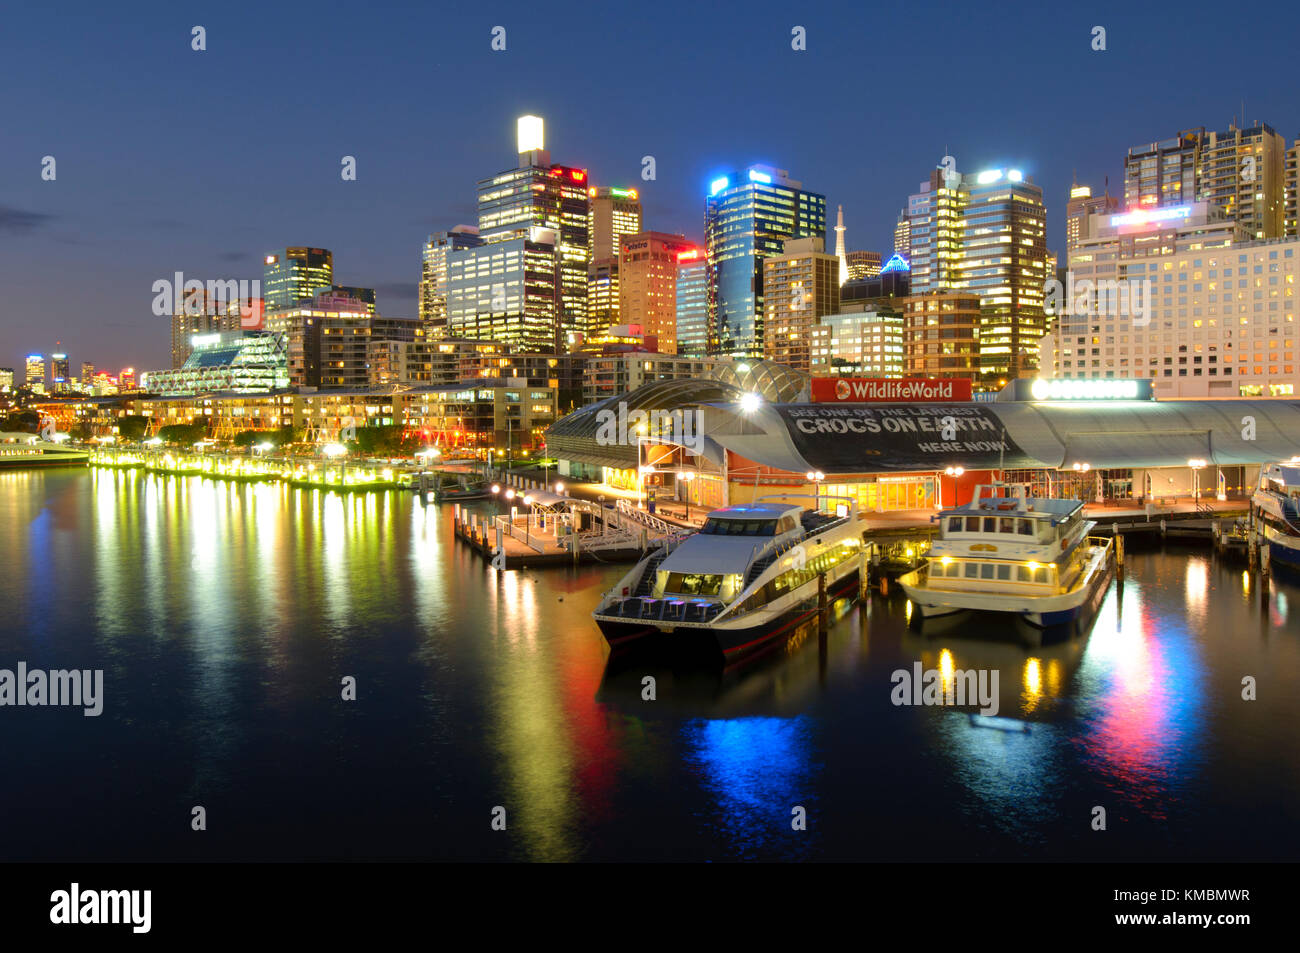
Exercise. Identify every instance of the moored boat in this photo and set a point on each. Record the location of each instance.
(19, 450)
(1005, 553)
(751, 575)
(1277, 507)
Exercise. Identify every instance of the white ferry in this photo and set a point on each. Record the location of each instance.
(1013, 554)
(746, 578)
(19, 450)
(1277, 506)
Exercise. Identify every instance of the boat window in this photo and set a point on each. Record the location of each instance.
(954, 524)
(990, 524)
(1023, 574)
(986, 571)
(694, 584)
(1004, 572)
(972, 524)
(972, 570)
(728, 527)
(1007, 524)
(1025, 527)
(1040, 574)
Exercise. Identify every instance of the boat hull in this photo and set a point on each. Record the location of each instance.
(723, 642)
(1040, 612)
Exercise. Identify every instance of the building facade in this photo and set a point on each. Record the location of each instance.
(800, 285)
(749, 216)
(647, 266)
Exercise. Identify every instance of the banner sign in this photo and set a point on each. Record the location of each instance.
(862, 438)
(887, 389)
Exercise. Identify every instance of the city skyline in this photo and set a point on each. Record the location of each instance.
(149, 214)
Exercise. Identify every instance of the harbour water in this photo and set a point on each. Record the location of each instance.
(225, 618)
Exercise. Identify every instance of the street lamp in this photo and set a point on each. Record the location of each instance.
(687, 476)
(815, 477)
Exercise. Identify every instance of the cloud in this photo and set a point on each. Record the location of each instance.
(20, 222)
(233, 256)
(399, 289)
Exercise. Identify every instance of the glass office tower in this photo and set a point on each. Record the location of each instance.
(748, 216)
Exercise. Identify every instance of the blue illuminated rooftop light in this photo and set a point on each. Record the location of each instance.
(896, 263)
(763, 177)
(718, 185)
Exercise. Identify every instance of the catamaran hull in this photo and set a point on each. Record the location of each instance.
(729, 643)
(1283, 549)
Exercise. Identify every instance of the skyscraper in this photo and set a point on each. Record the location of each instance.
(87, 375)
(647, 266)
(59, 371)
(903, 236)
(799, 286)
(1241, 172)
(986, 234)
(35, 379)
(863, 264)
(433, 276)
(1082, 204)
(692, 303)
(295, 275)
(541, 204)
(748, 216)
(6, 380)
(614, 214)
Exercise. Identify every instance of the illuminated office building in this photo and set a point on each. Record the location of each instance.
(6, 380)
(1217, 314)
(433, 276)
(799, 286)
(692, 324)
(504, 291)
(749, 216)
(903, 236)
(35, 380)
(295, 275)
(863, 264)
(857, 343)
(985, 234)
(60, 376)
(647, 266)
(613, 215)
(1081, 205)
(537, 208)
(941, 335)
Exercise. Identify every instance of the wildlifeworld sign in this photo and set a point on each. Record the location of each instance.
(858, 438)
(887, 389)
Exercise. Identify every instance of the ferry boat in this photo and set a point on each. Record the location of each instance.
(1277, 506)
(748, 577)
(20, 450)
(1005, 553)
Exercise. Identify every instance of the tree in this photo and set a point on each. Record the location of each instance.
(246, 438)
(184, 434)
(132, 427)
(23, 421)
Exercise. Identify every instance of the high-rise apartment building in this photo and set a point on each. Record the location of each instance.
(799, 286)
(749, 216)
(1291, 184)
(433, 276)
(199, 314)
(941, 335)
(295, 275)
(985, 234)
(87, 374)
(1241, 172)
(692, 324)
(504, 291)
(647, 268)
(6, 380)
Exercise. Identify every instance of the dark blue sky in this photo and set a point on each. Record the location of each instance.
(170, 159)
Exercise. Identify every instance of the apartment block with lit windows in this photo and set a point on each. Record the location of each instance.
(941, 335)
(799, 287)
(858, 342)
(1221, 321)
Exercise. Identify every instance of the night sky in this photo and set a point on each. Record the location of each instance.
(170, 159)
